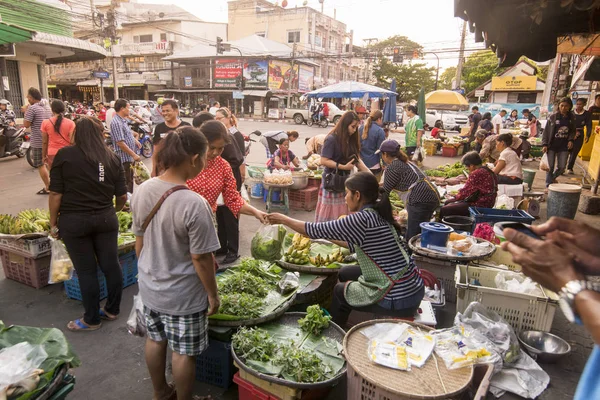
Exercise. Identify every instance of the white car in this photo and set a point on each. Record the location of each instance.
(452, 120)
(300, 115)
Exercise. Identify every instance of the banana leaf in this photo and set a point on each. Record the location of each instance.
(54, 342)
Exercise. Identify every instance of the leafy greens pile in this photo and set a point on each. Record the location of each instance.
(446, 171)
(315, 320)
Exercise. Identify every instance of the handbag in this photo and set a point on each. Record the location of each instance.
(335, 181)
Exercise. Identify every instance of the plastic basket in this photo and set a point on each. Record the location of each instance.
(522, 311)
(35, 248)
(304, 199)
(314, 182)
(493, 215)
(430, 148)
(276, 391)
(500, 257)
(215, 365)
(443, 270)
(256, 172)
(128, 262)
(449, 151)
(247, 391)
(27, 270)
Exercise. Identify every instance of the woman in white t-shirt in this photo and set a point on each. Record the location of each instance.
(508, 167)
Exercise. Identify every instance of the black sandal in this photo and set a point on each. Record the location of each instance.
(43, 191)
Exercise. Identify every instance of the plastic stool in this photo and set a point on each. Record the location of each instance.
(284, 204)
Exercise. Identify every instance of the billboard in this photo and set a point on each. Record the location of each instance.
(256, 74)
(507, 83)
(281, 75)
(306, 78)
(226, 72)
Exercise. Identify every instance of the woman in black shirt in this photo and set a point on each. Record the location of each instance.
(84, 180)
(558, 139)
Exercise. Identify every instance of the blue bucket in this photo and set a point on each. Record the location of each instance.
(257, 190)
(434, 234)
(275, 198)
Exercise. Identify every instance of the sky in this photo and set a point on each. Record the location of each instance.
(430, 23)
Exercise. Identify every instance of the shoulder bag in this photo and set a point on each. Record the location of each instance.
(335, 181)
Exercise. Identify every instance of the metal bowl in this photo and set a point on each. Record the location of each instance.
(300, 180)
(543, 346)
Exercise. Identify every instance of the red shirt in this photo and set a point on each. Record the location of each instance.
(435, 132)
(102, 114)
(216, 178)
(484, 181)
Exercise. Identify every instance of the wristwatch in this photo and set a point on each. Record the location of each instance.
(568, 294)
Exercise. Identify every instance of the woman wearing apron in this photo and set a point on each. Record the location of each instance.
(419, 195)
(386, 280)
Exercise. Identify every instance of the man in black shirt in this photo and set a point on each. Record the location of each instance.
(170, 112)
(475, 119)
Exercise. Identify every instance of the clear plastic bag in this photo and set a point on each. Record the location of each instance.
(544, 166)
(19, 362)
(61, 266)
(517, 283)
(459, 347)
(136, 323)
(267, 244)
(244, 194)
(141, 173)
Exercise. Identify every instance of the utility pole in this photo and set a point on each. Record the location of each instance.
(292, 76)
(461, 56)
(368, 70)
(112, 34)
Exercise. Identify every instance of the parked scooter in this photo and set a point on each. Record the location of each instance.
(145, 139)
(12, 141)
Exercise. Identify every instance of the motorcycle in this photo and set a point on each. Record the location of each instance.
(145, 139)
(248, 139)
(321, 121)
(12, 141)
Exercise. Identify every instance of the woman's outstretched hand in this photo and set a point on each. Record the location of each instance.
(277, 218)
(261, 216)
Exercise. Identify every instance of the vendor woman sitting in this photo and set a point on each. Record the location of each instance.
(284, 157)
(480, 190)
(386, 280)
(508, 167)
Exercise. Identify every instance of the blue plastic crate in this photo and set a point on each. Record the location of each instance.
(128, 262)
(215, 365)
(493, 215)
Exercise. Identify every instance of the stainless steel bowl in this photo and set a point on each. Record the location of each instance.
(543, 346)
(300, 180)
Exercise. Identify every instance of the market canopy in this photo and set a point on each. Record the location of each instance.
(350, 90)
(446, 100)
(533, 27)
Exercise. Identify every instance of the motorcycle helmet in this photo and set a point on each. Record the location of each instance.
(4, 101)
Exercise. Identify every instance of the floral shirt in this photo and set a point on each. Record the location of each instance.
(216, 178)
(484, 181)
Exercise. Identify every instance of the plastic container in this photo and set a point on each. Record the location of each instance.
(449, 151)
(215, 365)
(522, 311)
(35, 248)
(305, 199)
(459, 223)
(443, 270)
(257, 190)
(26, 270)
(493, 215)
(128, 262)
(434, 234)
(563, 200)
(275, 196)
(528, 177)
(247, 391)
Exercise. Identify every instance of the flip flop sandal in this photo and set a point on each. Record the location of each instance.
(43, 191)
(172, 395)
(81, 326)
(106, 317)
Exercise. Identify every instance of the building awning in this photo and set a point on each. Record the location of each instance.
(257, 93)
(69, 49)
(90, 82)
(13, 34)
(196, 90)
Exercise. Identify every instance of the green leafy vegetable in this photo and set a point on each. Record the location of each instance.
(254, 344)
(125, 221)
(446, 171)
(302, 365)
(259, 268)
(315, 320)
(241, 304)
(267, 246)
(244, 282)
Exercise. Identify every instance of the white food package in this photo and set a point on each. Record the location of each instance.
(17, 362)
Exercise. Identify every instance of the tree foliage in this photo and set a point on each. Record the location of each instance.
(446, 78)
(479, 68)
(409, 77)
(407, 46)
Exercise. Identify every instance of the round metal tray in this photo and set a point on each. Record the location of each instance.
(308, 268)
(255, 321)
(415, 246)
(291, 319)
(271, 185)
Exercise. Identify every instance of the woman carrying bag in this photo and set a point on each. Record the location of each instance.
(339, 156)
(419, 195)
(386, 280)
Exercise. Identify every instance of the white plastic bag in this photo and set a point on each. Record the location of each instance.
(61, 266)
(19, 361)
(244, 193)
(141, 173)
(517, 283)
(504, 202)
(419, 155)
(544, 166)
(220, 200)
(136, 323)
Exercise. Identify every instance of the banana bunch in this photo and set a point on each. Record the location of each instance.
(299, 250)
(7, 223)
(34, 220)
(320, 261)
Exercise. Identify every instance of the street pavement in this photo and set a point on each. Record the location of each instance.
(113, 365)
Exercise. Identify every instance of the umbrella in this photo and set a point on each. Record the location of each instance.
(389, 110)
(349, 90)
(421, 106)
(446, 100)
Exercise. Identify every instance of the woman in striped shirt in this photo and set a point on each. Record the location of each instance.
(386, 280)
(420, 197)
